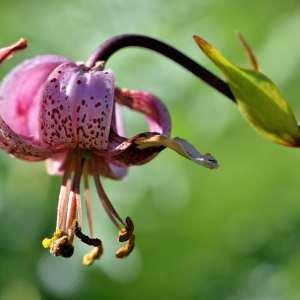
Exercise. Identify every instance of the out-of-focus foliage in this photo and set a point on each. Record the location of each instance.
(231, 233)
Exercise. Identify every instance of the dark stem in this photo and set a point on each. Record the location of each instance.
(112, 45)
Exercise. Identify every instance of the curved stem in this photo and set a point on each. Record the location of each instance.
(112, 45)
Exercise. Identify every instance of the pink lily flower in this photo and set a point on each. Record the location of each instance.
(67, 113)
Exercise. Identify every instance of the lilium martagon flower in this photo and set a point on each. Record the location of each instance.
(67, 113)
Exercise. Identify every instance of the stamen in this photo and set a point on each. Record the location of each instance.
(60, 244)
(96, 252)
(93, 255)
(125, 233)
(74, 206)
(87, 199)
(64, 195)
(125, 250)
(110, 210)
(79, 209)
(71, 213)
(65, 204)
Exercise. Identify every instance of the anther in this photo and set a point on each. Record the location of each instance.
(96, 252)
(126, 232)
(60, 244)
(126, 235)
(125, 250)
(93, 255)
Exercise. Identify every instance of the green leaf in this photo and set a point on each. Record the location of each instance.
(258, 99)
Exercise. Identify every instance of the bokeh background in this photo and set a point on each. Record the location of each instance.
(233, 233)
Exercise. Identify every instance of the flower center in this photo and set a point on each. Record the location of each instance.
(82, 163)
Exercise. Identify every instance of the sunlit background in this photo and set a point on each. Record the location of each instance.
(231, 234)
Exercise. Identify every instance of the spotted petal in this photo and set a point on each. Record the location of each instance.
(20, 146)
(21, 92)
(55, 165)
(77, 107)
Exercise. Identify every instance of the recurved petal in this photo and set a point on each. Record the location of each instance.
(21, 93)
(110, 170)
(20, 146)
(117, 120)
(55, 164)
(156, 112)
(143, 147)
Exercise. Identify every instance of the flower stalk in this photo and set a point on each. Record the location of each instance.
(116, 43)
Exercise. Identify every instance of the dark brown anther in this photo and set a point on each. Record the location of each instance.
(62, 247)
(86, 239)
(67, 250)
(123, 235)
(126, 233)
(125, 250)
(97, 250)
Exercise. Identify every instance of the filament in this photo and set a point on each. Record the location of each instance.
(87, 198)
(112, 213)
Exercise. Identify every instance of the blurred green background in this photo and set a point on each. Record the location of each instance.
(227, 234)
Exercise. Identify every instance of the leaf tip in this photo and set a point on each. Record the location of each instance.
(211, 52)
(202, 43)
